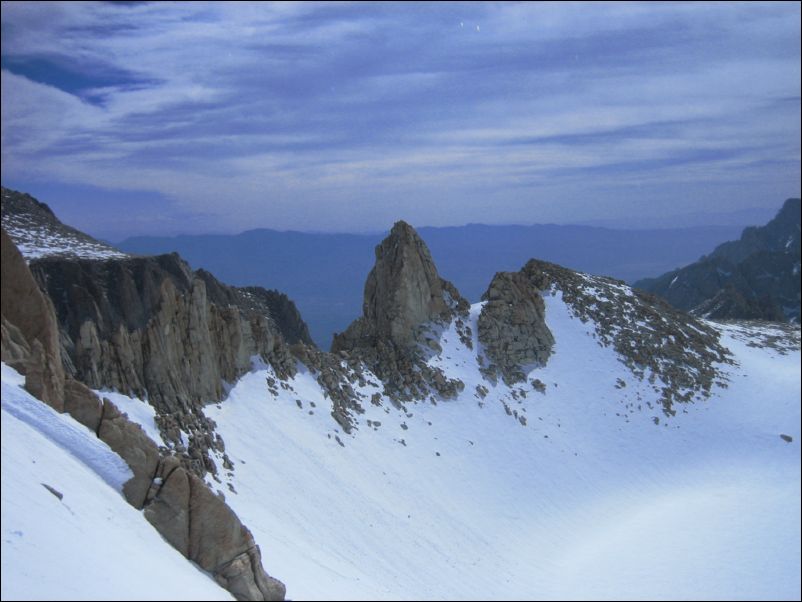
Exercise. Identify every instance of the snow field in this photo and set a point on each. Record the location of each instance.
(591, 499)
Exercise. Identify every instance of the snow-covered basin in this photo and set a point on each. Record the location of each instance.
(90, 544)
(591, 499)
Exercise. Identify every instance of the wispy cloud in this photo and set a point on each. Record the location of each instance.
(348, 116)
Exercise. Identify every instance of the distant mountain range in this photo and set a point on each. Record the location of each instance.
(328, 270)
(755, 277)
(739, 217)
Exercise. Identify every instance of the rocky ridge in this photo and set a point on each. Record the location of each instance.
(177, 502)
(152, 328)
(512, 328)
(37, 232)
(654, 340)
(754, 278)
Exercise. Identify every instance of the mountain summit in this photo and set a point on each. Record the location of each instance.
(406, 306)
(402, 292)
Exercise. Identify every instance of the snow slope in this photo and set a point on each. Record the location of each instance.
(38, 233)
(138, 411)
(90, 544)
(35, 242)
(597, 495)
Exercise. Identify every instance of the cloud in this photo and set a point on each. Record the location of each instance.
(292, 114)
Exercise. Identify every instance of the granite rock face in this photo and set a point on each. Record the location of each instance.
(512, 327)
(203, 528)
(403, 291)
(147, 326)
(405, 298)
(284, 313)
(179, 504)
(152, 328)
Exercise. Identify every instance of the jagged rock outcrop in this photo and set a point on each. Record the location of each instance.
(283, 312)
(512, 327)
(146, 326)
(405, 299)
(404, 290)
(754, 278)
(152, 328)
(214, 537)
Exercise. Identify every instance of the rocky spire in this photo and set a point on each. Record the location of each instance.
(404, 296)
(402, 292)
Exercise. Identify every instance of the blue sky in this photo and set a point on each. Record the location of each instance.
(219, 117)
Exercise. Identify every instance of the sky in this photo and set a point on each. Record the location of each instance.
(132, 118)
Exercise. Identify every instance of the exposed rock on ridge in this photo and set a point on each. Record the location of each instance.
(30, 341)
(650, 337)
(405, 298)
(402, 292)
(512, 327)
(151, 328)
(213, 536)
(37, 232)
(283, 313)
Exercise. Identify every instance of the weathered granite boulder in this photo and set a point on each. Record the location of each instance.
(83, 405)
(238, 577)
(201, 526)
(167, 503)
(132, 445)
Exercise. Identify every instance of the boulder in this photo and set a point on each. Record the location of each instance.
(201, 526)
(82, 404)
(168, 507)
